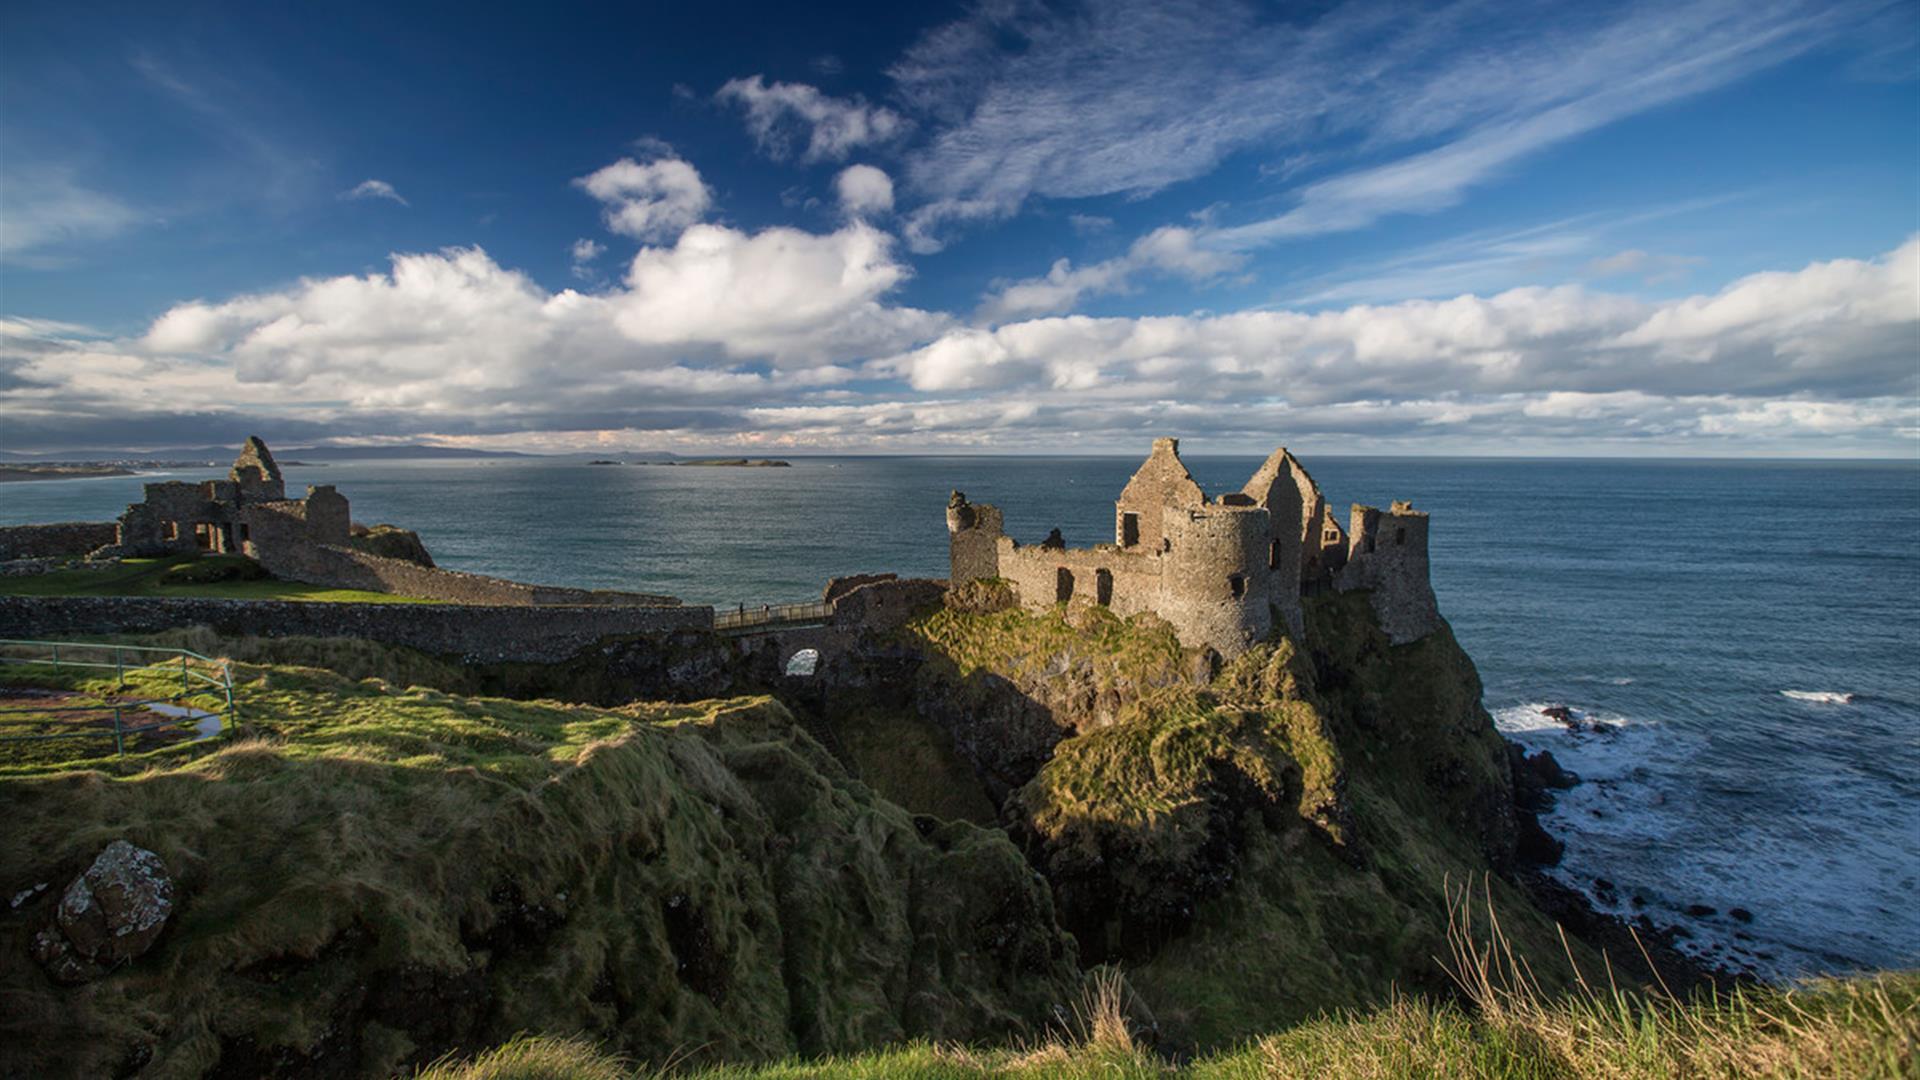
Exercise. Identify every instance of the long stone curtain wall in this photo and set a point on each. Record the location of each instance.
(62, 538)
(483, 633)
(346, 568)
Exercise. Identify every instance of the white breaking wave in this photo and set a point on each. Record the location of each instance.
(1824, 697)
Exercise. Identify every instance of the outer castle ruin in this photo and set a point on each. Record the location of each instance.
(1223, 571)
(225, 516)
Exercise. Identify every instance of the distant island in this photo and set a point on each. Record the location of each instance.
(736, 463)
(744, 463)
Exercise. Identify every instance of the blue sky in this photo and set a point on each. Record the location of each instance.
(1673, 228)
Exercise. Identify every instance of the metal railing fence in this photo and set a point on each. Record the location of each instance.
(744, 617)
(199, 675)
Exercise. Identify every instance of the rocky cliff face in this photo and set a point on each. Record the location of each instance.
(391, 875)
(1291, 821)
(376, 877)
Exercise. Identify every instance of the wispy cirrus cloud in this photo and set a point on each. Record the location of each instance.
(374, 189)
(781, 114)
(1169, 249)
(49, 214)
(1132, 97)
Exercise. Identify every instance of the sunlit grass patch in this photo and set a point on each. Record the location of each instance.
(186, 576)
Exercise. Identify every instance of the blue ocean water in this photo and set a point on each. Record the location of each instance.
(1751, 630)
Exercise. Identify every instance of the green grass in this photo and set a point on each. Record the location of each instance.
(372, 873)
(26, 723)
(1861, 1028)
(167, 577)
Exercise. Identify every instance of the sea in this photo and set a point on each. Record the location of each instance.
(1740, 640)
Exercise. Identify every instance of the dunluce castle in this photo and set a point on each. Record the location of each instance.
(1223, 571)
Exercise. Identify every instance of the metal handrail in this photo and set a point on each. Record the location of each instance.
(769, 614)
(189, 674)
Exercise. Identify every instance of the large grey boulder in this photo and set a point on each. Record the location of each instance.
(110, 914)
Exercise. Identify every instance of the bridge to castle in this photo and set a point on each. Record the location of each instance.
(744, 619)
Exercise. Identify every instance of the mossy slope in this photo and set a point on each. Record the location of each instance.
(374, 876)
(1267, 844)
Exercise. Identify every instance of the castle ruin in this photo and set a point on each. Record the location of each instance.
(249, 507)
(1223, 571)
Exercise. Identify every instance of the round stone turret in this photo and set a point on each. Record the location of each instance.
(1214, 586)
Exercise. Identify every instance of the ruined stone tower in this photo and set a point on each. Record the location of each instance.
(1225, 571)
(255, 473)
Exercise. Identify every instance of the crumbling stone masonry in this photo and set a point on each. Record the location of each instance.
(223, 516)
(310, 540)
(1223, 571)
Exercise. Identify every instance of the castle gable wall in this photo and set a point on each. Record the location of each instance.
(1287, 493)
(255, 475)
(1161, 481)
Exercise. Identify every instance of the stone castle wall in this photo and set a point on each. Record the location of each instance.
(346, 568)
(1131, 583)
(1224, 572)
(63, 538)
(973, 538)
(479, 634)
(1388, 558)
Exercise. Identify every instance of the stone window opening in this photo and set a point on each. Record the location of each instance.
(1062, 585)
(1103, 587)
(1400, 536)
(1129, 530)
(171, 530)
(1273, 555)
(1166, 544)
(203, 536)
(803, 662)
(1237, 584)
(246, 532)
(1368, 546)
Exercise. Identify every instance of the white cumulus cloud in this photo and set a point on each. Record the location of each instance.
(863, 191)
(654, 200)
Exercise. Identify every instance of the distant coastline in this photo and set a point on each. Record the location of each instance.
(732, 463)
(17, 474)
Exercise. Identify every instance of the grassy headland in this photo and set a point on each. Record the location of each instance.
(219, 577)
(375, 874)
(387, 867)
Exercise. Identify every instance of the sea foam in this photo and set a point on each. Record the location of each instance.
(1824, 697)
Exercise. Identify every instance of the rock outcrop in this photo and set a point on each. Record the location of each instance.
(110, 914)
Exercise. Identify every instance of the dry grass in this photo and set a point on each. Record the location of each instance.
(1861, 1028)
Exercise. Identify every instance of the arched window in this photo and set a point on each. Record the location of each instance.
(803, 662)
